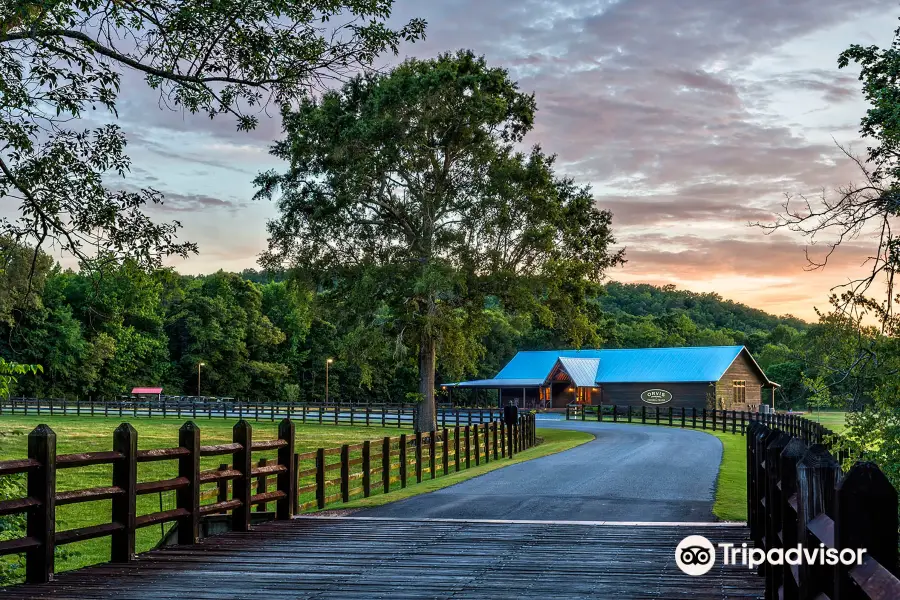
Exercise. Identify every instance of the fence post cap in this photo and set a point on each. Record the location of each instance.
(126, 428)
(817, 456)
(794, 449)
(866, 476)
(42, 430)
(189, 426)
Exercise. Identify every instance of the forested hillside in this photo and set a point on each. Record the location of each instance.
(704, 309)
(261, 336)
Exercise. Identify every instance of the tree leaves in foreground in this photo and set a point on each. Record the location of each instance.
(406, 196)
(60, 60)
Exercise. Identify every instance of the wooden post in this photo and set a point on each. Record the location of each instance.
(188, 497)
(345, 473)
(503, 436)
(743, 423)
(510, 447)
(262, 484)
(817, 473)
(418, 457)
(404, 461)
(774, 502)
(670, 415)
(241, 486)
(704, 418)
(456, 431)
(445, 451)
(790, 456)
(751, 481)
(124, 506)
(385, 464)
(494, 439)
(468, 447)
(432, 445)
(222, 486)
(287, 483)
(367, 466)
(320, 478)
(41, 523)
(476, 444)
(733, 422)
(643, 414)
(693, 417)
(865, 517)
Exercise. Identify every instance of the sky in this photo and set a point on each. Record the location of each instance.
(689, 119)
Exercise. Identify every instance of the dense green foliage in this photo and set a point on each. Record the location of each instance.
(98, 335)
(60, 59)
(408, 204)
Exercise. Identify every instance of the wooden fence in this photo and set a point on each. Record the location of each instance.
(302, 481)
(797, 494)
(401, 415)
(733, 421)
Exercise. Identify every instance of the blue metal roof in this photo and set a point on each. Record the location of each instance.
(642, 365)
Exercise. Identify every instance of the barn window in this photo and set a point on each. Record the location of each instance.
(739, 389)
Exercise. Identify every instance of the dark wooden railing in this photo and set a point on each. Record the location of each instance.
(797, 494)
(400, 415)
(301, 481)
(733, 421)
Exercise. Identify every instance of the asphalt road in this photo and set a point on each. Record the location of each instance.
(628, 473)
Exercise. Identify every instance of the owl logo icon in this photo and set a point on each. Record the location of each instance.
(695, 555)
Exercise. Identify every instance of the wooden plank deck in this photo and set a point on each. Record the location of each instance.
(357, 558)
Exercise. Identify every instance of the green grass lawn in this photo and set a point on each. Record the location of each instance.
(731, 486)
(551, 441)
(92, 434)
(834, 420)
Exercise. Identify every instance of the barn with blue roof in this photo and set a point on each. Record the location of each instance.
(725, 377)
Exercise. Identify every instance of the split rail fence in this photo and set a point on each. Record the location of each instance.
(735, 421)
(307, 481)
(797, 494)
(401, 415)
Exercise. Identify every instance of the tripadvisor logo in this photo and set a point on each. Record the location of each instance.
(656, 396)
(696, 555)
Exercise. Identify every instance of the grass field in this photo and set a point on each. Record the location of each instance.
(731, 486)
(92, 434)
(834, 420)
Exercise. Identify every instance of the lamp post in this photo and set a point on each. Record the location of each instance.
(328, 362)
(200, 364)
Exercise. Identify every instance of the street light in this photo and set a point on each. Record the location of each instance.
(201, 364)
(328, 362)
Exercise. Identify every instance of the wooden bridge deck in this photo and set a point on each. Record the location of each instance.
(359, 558)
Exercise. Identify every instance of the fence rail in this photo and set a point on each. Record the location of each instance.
(737, 422)
(401, 415)
(310, 480)
(797, 494)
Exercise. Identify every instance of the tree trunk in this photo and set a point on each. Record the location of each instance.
(425, 419)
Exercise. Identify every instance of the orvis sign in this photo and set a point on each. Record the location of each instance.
(656, 396)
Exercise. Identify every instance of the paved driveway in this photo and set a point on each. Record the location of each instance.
(628, 473)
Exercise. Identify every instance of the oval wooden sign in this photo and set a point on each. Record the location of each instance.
(656, 396)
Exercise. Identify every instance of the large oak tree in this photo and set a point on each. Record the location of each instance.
(408, 198)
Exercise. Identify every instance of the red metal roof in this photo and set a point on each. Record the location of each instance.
(146, 391)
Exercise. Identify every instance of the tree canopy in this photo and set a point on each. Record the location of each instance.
(60, 59)
(407, 193)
